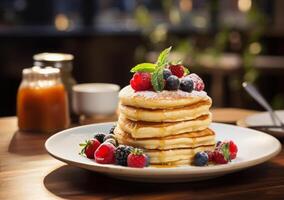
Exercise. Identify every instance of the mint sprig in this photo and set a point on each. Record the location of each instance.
(163, 57)
(157, 76)
(144, 67)
(158, 79)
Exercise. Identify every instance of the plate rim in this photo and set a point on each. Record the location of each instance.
(193, 170)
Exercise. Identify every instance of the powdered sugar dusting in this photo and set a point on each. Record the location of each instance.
(165, 94)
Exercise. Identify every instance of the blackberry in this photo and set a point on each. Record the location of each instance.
(100, 137)
(112, 129)
(121, 154)
(186, 84)
(172, 83)
(166, 73)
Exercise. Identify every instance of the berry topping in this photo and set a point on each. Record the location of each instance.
(137, 159)
(233, 150)
(89, 147)
(166, 73)
(198, 82)
(172, 83)
(141, 81)
(100, 137)
(186, 84)
(105, 153)
(121, 154)
(177, 70)
(109, 136)
(218, 144)
(210, 155)
(112, 129)
(200, 159)
(219, 158)
(112, 141)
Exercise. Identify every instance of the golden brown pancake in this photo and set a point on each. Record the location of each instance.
(160, 100)
(185, 140)
(190, 112)
(141, 129)
(175, 156)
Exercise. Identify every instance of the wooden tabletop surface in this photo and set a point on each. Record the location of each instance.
(28, 172)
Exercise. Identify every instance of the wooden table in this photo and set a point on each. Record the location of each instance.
(28, 172)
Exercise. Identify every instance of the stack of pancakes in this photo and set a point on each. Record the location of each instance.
(171, 126)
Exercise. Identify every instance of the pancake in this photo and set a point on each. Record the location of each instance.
(185, 140)
(189, 112)
(160, 100)
(142, 129)
(175, 156)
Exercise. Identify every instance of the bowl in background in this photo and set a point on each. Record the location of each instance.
(91, 99)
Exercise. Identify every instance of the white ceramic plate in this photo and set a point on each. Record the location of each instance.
(254, 148)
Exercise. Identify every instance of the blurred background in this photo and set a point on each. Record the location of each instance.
(226, 42)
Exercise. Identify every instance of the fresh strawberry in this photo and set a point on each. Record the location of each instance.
(233, 150)
(89, 147)
(177, 70)
(198, 82)
(105, 153)
(221, 154)
(141, 81)
(137, 159)
(219, 158)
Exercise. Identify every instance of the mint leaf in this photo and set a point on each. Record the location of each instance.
(163, 57)
(144, 67)
(226, 152)
(186, 70)
(157, 79)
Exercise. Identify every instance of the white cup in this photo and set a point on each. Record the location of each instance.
(92, 99)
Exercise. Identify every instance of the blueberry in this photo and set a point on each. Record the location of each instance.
(109, 136)
(200, 159)
(218, 143)
(112, 141)
(112, 129)
(167, 73)
(172, 83)
(100, 137)
(186, 84)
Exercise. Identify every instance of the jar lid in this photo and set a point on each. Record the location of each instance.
(38, 72)
(53, 57)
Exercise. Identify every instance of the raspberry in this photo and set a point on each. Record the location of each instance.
(105, 154)
(219, 158)
(233, 150)
(100, 137)
(210, 156)
(198, 82)
(137, 159)
(141, 81)
(121, 154)
(177, 70)
(89, 147)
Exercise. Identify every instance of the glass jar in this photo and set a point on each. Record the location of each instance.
(42, 103)
(62, 61)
